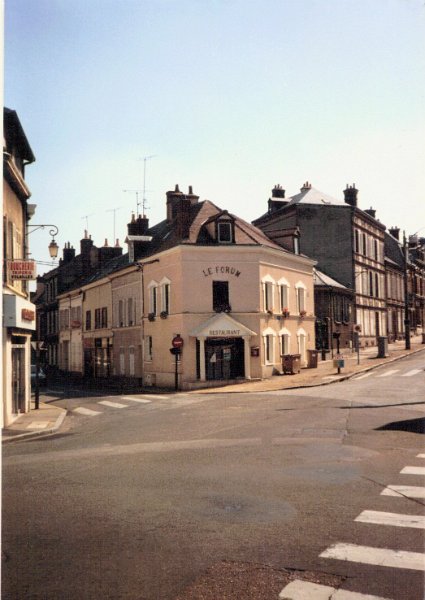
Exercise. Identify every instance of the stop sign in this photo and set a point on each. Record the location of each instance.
(177, 341)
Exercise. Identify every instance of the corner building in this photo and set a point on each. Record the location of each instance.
(238, 300)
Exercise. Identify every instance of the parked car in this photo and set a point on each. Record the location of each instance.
(42, 379)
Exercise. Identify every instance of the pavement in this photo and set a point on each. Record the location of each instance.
(48, 418)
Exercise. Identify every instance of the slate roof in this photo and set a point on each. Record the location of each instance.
(311, 195)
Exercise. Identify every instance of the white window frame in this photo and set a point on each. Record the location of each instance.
(165, 284)
(285, 333)
(301, 295)
(269, 336)
(221, 224)
(268, 284)
(283, 287)
(153, 297)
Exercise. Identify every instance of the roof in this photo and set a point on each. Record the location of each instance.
(320, 278)
(15, 135)
(310, 195)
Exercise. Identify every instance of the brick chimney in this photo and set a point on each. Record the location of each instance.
(350, 195)
(395, 232)
(277, 199)
(86, 244)
(178, 210)
(68, 253)
(107, 252)
(306, 186)
(138, 226)
(371, 211)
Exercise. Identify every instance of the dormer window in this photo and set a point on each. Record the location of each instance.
(224, 232)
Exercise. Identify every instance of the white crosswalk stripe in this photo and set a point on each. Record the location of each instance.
(413, 471)
(382, 557)
(420, 456)
(113, 404)
(412, 372)
(86, 411)
(388, 373)
(408, 491)
(363, 376)
(305, 590)
(139, 400)
(392, 519)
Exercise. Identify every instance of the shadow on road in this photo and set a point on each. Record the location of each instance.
(410, 425)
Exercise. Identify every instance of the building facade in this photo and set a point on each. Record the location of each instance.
(346, 242)
(18, 312)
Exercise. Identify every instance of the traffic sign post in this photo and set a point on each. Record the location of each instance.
(177, 343)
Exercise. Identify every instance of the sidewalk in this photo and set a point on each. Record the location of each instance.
(325, 373)
(49, 418)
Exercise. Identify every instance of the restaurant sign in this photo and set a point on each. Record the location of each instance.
(22, 269)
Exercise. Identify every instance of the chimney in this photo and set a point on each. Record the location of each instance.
(192, 197)
(395, 232)
(138, 226)
(172, 199)
(277, 199)
(107, 252)
(371, 211)
(68, 253)
(350, 195)
(306, 187)
(86, 244)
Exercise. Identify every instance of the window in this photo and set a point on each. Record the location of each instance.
(224, 232)
(284, 343)
(283, 295)
(122, 360)
(300, 291)
(148, 348)
(376, 285)
(153, 297)
(104, 317)
(97, 318)
(64, 319)
(166, 297)
(121, 311)
(130, 312)
(375, 248)
(88, 320)
(268, 296)
(268, 340)
(356, 240)
(131, 361)
(220, 290)
(364, 245)
(370, 283)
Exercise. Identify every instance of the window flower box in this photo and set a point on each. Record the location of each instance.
(285, 312)
(163, 314)
(303, 313)
(151, 316)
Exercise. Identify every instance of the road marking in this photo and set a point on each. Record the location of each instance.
(410, 491)
(38, 425)
(363, 376)
(413, 471)
(420, 456)
(390, 372)
(382, 557)
(140, 400)
(86, 411)
(113, 404)
(305, 590)
(412, 372)
(393, 519)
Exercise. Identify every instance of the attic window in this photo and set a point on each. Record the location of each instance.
(224, 232)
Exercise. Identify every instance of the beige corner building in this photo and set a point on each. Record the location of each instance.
(236, 299)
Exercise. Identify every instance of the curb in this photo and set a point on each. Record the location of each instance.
(36, 434)
(322, 383)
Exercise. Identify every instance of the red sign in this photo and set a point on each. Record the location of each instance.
(22, 269)
(27, 315)
(177, 342)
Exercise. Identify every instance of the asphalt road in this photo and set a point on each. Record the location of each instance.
(138, 495)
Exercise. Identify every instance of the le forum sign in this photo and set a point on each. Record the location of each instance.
(221, 270)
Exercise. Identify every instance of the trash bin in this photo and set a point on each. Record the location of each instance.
(291, 363)
(382, 346)
(312, 359)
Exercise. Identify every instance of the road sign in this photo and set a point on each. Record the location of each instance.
(177, 342)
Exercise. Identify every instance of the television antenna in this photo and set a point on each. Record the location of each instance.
(137, 192)
(86, 217)
(114, 210)
(145, 159)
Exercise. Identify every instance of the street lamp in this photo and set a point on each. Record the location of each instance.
(53, 247)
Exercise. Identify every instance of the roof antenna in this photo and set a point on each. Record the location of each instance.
(86, 217)
(144, 207)
(114, 210)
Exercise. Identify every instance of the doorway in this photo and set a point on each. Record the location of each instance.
(18, 379)
(224, 358)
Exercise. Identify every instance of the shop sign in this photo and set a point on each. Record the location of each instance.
(27, 314)
(22, 269)
(224, 332)
(75, 324)
(221, 270)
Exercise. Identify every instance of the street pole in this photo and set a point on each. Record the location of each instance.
(406, 295)
(37, 376)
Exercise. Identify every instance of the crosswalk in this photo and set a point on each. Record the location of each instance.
(371, 555)
(120, 402)
(389, 373)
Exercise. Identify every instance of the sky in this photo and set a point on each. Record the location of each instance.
(229, 96)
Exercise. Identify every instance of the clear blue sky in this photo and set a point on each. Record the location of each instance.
(230, 96)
